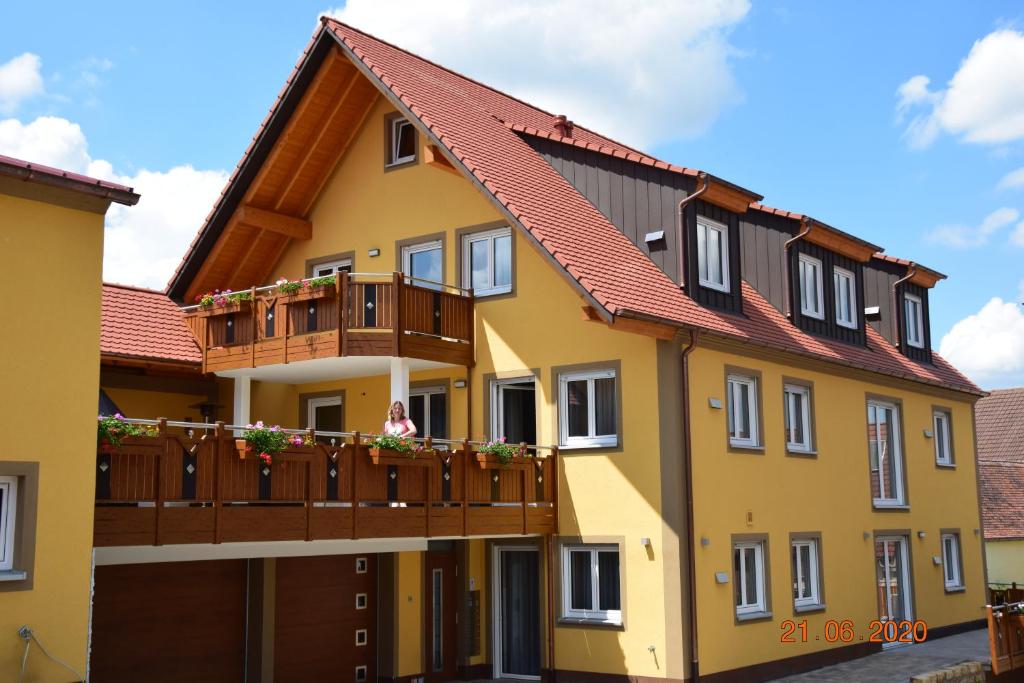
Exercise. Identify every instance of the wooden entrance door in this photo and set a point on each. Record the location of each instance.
(169, 621)
(442, 604)
(325, 619)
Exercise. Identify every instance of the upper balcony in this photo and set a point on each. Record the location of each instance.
(350, 314)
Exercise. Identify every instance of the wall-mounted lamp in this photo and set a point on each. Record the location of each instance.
(921, 534)
(459, 384)
(867, 535)
(705, 541)
(721, 577)
(927, 433)
(373, 253)
(977, 531)
(645, 542)
(715, 403)
(936, 560)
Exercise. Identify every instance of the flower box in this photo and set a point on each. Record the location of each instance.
(310, 294)
(241, 445)
(489, 461)
(386, 456)
(243, 305)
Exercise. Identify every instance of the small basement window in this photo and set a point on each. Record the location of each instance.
(401, 142)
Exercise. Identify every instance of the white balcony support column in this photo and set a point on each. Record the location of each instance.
(400, 381)
(243, 393)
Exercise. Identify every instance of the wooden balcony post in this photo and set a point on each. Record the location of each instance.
(526, 480)
(161, 461)
(218, 492)
(396, 312)
(355, 480)
(465, 483)
(430, 475)
(253, 317)
(287, 326)
(342, 283)
(553, 474)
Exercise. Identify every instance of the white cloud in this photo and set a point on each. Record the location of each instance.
(642, 72)
(20, 79)
(983, 102)
(144, 243)
(1013, 179)
(969, 236)
(988, 346)
(1017, 236)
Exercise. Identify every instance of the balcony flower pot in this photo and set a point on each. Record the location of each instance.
(240, 306)
(310, 294)
(498, 454)
(387, 456)
(241, 445)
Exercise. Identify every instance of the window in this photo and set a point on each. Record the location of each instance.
(742, 410)
(514, 410)
(943, 443)
(951, 560)
(797, 411)
(428, 409)
(748, 577)
(846, 297)
(590, 583)
(806, 587)
(586, 408)
(401, 141)
(811, 297)
(487, 262)
(8, 520)
(712, 254)
(423, 262)
(913, 319)
(332, 268)
(885, 454)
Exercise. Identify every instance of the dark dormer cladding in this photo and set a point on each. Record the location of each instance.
(882, 288)
(830, 324)
(708, 225)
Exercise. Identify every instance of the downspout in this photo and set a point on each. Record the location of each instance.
(805, 227)
(688, 477)
(897, 330)
(702, 186)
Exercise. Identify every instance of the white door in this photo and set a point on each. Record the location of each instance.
(892, 569)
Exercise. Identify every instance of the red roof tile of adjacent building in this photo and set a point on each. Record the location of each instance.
(144, 324)
(1000, 425)
(1002, 499)
(31, 172)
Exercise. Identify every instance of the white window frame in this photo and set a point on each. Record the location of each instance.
(394, 130)
(951, 565)
(593, 440)
(703, 226)
(807, 444)
(488, 236)
(814, 580)
(320, 402)
(917, 340)
(335, 267)
(594, 614)
(897, 455)
(498, 401)
(749, 383)
(423, 430)
(8, 521)
(804, 261)
(410, 249)
(838, 275)
(942, 437)
(758, 605)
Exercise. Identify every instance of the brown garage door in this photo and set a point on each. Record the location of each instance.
(325, 619)
(173, 621)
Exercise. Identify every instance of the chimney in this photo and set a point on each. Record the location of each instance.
(563, 126)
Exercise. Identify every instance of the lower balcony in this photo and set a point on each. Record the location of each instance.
(188, 483)
(348, 314)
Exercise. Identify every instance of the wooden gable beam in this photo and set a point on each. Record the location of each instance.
(433, 157)
(644, 327)
(289, 226)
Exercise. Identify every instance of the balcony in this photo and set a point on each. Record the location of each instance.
(187, 484)
(356, 314)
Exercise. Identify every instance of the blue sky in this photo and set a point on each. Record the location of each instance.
(794, 100)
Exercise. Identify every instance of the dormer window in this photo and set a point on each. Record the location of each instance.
(401, 142)
(811, 295)
(846, 297)
(913, 315)
(713, 254)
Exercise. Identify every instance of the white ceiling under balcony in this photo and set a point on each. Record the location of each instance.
(325, 369)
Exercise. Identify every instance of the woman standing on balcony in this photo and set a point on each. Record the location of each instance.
(397, 423)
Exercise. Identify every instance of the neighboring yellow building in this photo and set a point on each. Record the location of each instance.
(49, 372)
(746, 452)
(1000, 426)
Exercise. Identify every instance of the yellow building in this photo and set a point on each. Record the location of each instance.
(739, 455)
(46, 497)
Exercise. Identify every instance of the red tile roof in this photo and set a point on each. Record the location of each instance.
(1000, 425)
(1002, 499)
(30, 172)
(144, 324)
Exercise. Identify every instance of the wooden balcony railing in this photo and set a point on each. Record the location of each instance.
(358, 315)
(1006, 636)
(188, 484)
